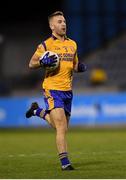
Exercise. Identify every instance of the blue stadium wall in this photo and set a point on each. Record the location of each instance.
(87, 110)
(93, 22)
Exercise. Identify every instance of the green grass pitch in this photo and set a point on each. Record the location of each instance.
(31, 154)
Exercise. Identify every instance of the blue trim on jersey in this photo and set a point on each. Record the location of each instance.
(44, 45)
(54, 37)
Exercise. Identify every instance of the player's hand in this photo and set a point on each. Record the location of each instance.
(82, 67)
(47, 60)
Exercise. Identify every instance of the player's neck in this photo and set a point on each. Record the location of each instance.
(61, 38)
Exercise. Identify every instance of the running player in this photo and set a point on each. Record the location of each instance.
(57, 86)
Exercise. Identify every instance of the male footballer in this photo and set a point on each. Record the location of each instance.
(57, 85)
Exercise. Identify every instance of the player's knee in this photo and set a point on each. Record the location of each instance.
(60, 123)
(62, 128)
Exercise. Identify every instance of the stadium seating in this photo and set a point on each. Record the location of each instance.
(112, 59)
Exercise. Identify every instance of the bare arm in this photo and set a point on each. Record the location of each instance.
(34, 62)
(35, 59)
(75, 63)
(78, 66)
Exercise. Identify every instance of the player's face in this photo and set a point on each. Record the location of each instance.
(58, 25)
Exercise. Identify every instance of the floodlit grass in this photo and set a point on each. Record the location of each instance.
(32, 154)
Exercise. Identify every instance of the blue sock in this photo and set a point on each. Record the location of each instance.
(38, 111)
(64, 159)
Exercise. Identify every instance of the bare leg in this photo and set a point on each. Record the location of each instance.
(47, 118)
(60, 121)
(68, 119)
(57, 115)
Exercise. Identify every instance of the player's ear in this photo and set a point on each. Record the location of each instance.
(51, 26)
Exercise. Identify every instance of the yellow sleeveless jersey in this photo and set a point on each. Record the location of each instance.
(60, 79)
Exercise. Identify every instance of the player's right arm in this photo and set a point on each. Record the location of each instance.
(35, 59)
(34, 62)
(39, 59)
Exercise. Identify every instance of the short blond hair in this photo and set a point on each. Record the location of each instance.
(57, 13)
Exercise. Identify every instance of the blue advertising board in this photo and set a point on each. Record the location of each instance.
(87, 109)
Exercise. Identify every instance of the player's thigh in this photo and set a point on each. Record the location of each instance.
(58, 116)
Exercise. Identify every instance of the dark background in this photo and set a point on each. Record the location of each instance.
(93, 24)
(24, 11)
(97, 26)
(21, 13)
(90, 23)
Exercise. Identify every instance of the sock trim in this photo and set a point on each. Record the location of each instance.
(63, 155)
(38, 111)
(64, 159)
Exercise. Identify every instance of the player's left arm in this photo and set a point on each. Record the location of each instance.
(79, 66)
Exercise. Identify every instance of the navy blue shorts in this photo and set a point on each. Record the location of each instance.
(58, 99)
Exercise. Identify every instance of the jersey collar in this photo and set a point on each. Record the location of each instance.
(54, 37)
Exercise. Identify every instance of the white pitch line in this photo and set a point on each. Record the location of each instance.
(25, 155)
(94, 153)
(77, 154)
